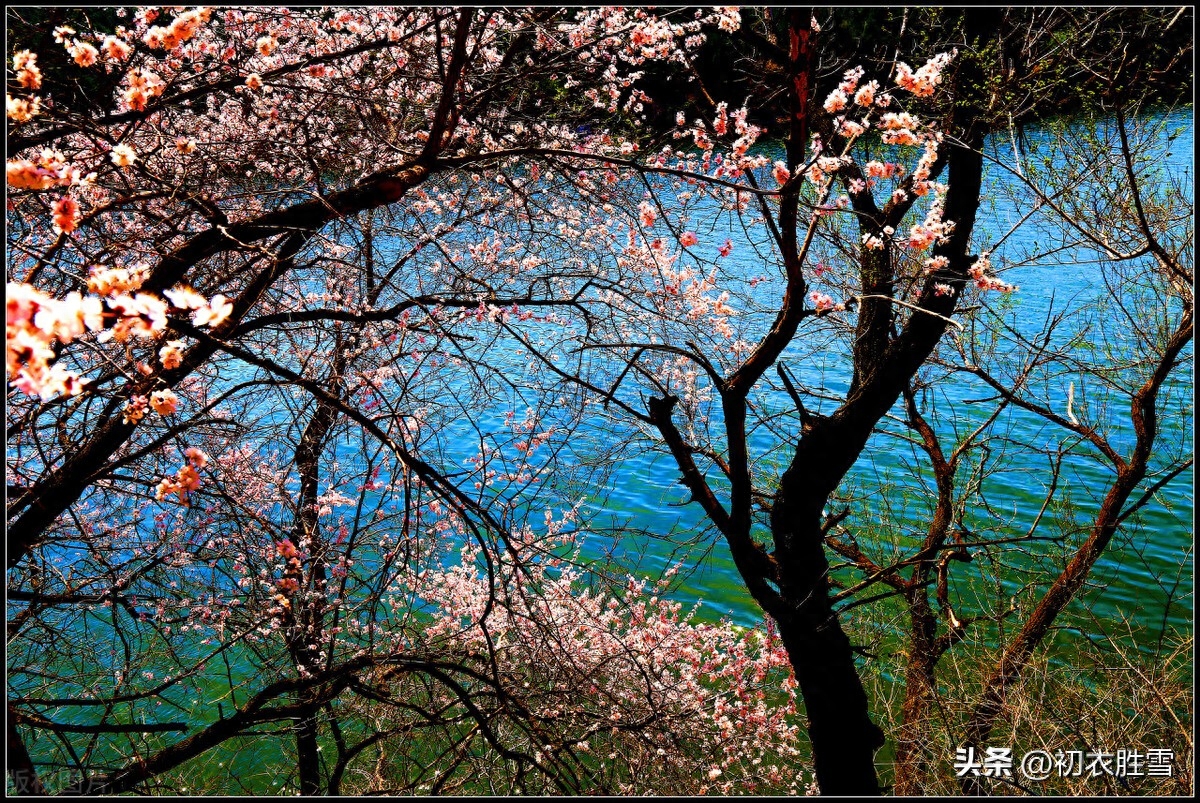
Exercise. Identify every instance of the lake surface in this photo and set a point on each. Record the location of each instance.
(638, 520)
(1146, 575)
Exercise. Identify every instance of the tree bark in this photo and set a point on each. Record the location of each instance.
(24, 775)
(306, 617)
(844, 739)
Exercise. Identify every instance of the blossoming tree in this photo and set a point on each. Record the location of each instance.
(238, 302)
(273, 316)
(866, 230)
(687, 322)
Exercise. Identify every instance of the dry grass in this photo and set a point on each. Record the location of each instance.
(1111, 698)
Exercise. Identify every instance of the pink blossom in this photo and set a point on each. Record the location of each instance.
(23, 174)
(66, 214)
(22, 302)
(883, 169)
(70, 317)
(835, 101)
(852, 129)
(28, 74)
(123, 156)
(116, 49)
(980, 265)
(850, 79)
(214, 313)
(266, 45)
(85, 55)
(647, 214)
(721, 123)
(822, 302)
(164, 402)
(781, 173)
(872, 241)
(136, 98)
(108, 281)
(185, 297)
(196, 457)
(22, 110)
(688, 238)
(865, 96)
(135, 409)
(923, 81)
(171, 355)
(935, 264)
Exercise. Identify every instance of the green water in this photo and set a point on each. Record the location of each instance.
(640, 521)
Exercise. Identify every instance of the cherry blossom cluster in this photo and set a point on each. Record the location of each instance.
(116, 48)
(899, 128)
(49, 170)
(925, 80)
(36, 321)
(164, 402)
(896, 128)
(722, 698)
(141, 86)
(29, 76)
(823, 302)
(934, 229)
(186, 480)
(530, 441)
(705, 136)
(684, 291)
(288, 585)
(824, 166)
(613, 37)
(848, 91)
(979, 274)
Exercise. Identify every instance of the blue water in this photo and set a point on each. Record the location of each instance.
(1144, 576)
(634, 514)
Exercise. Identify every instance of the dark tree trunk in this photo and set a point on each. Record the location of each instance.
(307, 757)
(844, 737)
(306, 616)
(25, 780)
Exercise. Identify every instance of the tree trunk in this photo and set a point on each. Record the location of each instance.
(306, 625)
(307, 757)
(844, 739)
(21, 771)
(919, 682)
